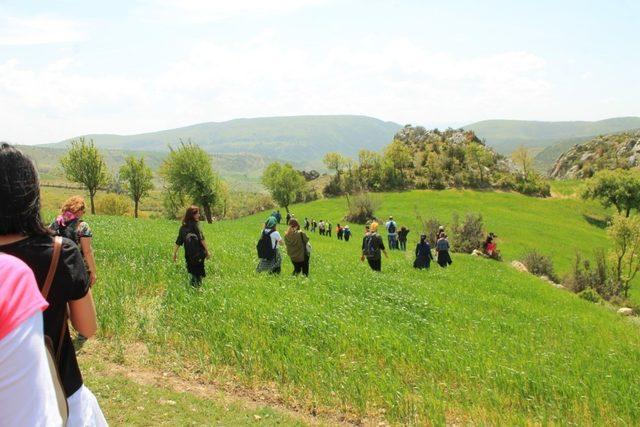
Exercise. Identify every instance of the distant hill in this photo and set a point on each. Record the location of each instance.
(620, 150)
(506, 135)
(288, 138)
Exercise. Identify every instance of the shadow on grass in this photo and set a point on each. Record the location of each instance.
(597, 221)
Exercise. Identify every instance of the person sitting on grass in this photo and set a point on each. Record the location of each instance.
(423, 253)
(296, 243)
(372, 245)
(195, 247)
(442, 248)
(270, 258)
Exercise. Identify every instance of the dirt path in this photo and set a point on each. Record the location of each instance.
(137, 370)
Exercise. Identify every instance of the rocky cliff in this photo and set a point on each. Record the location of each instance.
(621, 150)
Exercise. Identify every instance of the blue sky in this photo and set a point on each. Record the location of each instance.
(77, 67)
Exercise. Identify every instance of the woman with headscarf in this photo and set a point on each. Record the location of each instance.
(423, 253)
(442, 248)
(271, 261)
(296, 242)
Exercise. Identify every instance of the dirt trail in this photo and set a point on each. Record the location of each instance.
(135, 369)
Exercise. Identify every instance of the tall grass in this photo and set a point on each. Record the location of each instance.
(477, 342)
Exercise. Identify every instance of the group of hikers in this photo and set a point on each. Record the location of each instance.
(46, 276)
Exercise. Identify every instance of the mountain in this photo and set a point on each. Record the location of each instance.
(621, 150)
(288, 138)
(506, 135)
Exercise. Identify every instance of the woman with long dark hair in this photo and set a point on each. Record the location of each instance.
(195, 247)
(23, 235)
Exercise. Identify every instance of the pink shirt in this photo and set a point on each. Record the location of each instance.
(20, 297)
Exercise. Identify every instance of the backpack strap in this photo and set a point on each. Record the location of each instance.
(57, 246)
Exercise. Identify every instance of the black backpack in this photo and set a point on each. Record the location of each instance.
(70, 231)
(392, 227)
(193, 250)
(264, 246)
(370, 246)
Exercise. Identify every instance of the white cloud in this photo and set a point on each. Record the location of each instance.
(396, 80)
(203, 11)
(36, 30)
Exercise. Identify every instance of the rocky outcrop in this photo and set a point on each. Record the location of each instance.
(621, 150)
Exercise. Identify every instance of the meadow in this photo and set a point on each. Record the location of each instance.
(478, 342)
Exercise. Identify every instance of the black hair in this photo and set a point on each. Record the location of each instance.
(19, 194)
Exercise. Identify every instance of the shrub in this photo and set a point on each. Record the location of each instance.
(587, 275)
(590, 294)
(430, 227)
(113, 204)
(333, 188)
(539, 264)
(361, 208)
(468, 235)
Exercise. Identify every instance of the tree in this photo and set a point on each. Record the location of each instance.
(625, 232)
(283, 182)
(84, 164)
(400, 157)
(188, 170)
(335, 161)
(523, 158)
(620, 188)
(481, 157)
(137, 179)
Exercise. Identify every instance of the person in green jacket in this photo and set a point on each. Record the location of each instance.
(296, 242)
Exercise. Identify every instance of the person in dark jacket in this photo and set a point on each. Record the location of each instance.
(423, 253)
(372, 247)
(402, 238)
(346, 233)
(195, 267)
(442, 248)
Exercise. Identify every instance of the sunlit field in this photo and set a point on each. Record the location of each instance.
(478, 342)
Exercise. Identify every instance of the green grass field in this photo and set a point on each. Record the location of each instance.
(475, 343)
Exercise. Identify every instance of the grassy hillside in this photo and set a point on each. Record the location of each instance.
(506, 135)
(477, 342)
(290, 138)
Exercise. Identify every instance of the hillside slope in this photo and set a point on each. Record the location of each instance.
(621, 150)
(289, 138)
(506, 135)
(476, 343)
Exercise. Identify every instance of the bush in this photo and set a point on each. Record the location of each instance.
(590, 295)
(430, 227)
(468, 235)
(587, 275)
(361, 208)
(113, 204)
(538, 264)
(333, 188)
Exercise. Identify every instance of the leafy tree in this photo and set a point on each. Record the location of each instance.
(188, 170)
(283, 182)
(84, 164)
(137, 179)
(481, 158)
(400, 158)
(620, 188)
(524, 159)
(625, 232)
(335, 161)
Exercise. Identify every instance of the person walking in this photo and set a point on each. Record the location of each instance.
(314, 225)
(297, 244)
(346, 233)
(392, 233)
(270, 258)
(372, 246)
(195, 247)
(339, 232)
(278, 216)
(70, 224)
(27, 393)
(23, 235)
(442, 248)
(321, 227)
(423, 253)
(328, 229)
(402, 238)
(306, 224)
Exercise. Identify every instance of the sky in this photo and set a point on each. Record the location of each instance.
(70, 68)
